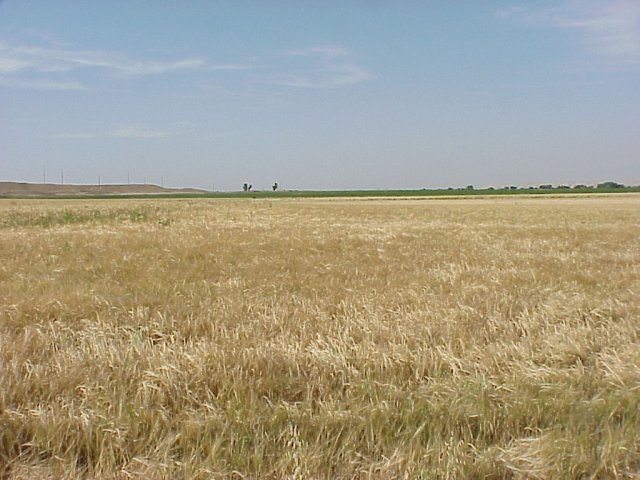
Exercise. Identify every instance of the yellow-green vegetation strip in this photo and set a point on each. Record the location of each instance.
(302, 338)
(44, 217)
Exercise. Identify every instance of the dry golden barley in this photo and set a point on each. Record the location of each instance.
(433, 338)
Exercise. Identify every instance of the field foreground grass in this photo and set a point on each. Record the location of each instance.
(477, 338)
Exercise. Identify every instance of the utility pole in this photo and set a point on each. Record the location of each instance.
(44, 175)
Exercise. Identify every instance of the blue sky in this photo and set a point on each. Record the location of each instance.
(320, 95)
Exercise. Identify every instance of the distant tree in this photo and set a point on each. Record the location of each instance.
(610, 185)
(579, 186)
(545, 187)
(275, 186)
(250, 187)
(512, 187)
(469, 187)
(563, 187)
(245, 187)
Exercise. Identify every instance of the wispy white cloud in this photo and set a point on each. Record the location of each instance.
(230, 67)
(41, 59)
(42, 67)
(324, 50)
(11, 65)
(325, 77)
(135, 131)
(325, 66)
(610, 28)
(55, 67)
(121, 131)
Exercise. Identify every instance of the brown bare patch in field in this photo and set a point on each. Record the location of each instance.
(492, 338)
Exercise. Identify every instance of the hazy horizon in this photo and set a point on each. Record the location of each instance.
(238, 188)
(323, 96)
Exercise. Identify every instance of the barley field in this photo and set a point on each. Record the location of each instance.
(492, 338)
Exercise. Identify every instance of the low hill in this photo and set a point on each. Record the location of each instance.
(19, 189)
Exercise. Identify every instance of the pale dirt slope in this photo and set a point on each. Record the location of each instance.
(50, 189)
